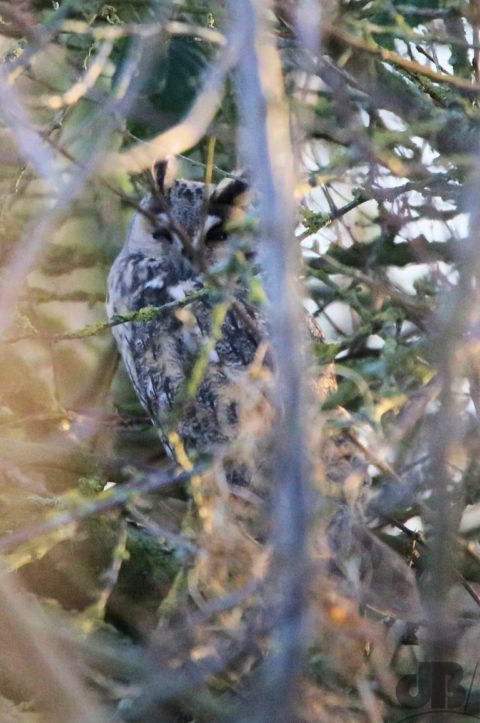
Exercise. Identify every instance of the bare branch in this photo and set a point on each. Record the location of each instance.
(268, 154)
(82, 86)
(188, 131)
(411, 65)
(40, 668)
(115, 32)
(116, 497)
(147, 313)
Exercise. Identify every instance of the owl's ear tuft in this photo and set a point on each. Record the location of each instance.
(159, 172)
(230, 192)
(228, 201)
(164, 173)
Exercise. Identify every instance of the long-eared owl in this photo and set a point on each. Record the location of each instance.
(180, 365)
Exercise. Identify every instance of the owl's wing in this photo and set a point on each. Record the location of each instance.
(156, 353)
(164, 354)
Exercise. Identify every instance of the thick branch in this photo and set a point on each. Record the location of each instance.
(268, 153)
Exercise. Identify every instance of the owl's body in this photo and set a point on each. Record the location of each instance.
(175, 238)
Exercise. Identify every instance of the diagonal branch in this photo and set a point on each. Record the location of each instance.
(187, 132)
(411, 66)
(108, 500)
(147, 313)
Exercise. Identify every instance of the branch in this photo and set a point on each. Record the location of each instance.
(148, 313)
(115, 32)
(82, 86)
(417, 309)
(185, 134)
(41, 668)
(267, 152)
(108, 500)
(60, 453)
(410, 65)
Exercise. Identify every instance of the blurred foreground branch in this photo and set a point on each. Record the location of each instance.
(268, 153)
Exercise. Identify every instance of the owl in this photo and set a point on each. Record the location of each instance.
(182, 363)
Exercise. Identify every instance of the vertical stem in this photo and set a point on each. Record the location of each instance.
(450, 354)
(267, 153)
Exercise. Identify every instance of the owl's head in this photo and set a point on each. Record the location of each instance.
(187, 217)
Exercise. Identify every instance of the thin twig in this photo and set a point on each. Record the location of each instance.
(147, 313)
(115, 32)
(109, 500)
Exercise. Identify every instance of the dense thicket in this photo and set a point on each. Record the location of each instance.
(132, 590)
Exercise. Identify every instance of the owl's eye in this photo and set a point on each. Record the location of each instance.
(216, 233)
(162, 233)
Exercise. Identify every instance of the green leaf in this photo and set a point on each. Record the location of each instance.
(325, 353)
